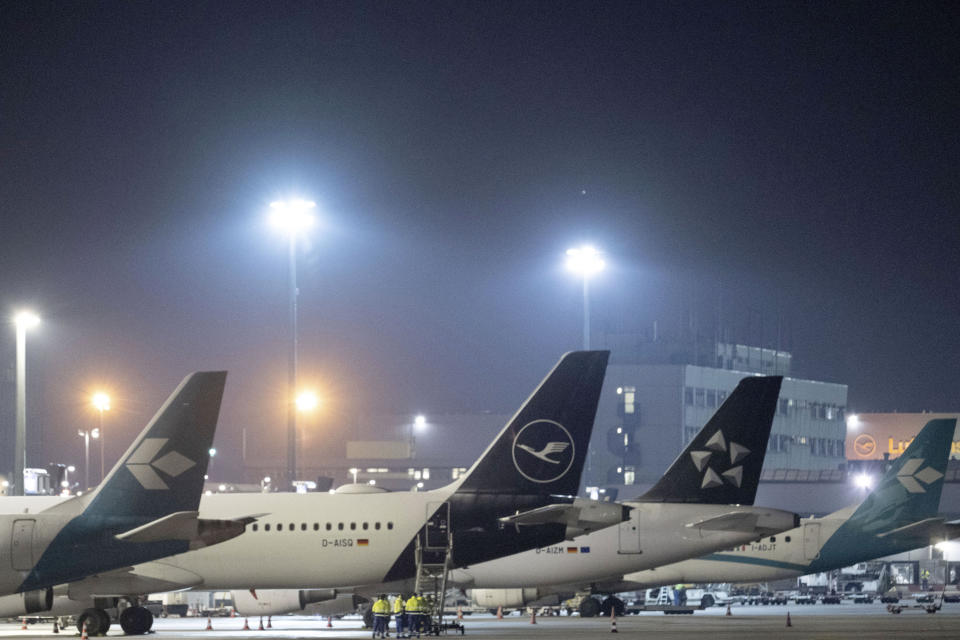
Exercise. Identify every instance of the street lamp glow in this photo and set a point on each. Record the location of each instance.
(101, 401)
(212, 452)
(26, 319)
(292, 216)
(863, 481)
(585, 260)
(420, 422)
(853, 421)
(307, 401)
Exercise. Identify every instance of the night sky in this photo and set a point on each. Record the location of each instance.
(788, 168)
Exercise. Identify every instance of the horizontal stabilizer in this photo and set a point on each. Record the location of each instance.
(552, 513)
(580, 517)
(735, 521)
(932, 527)
(186, 525)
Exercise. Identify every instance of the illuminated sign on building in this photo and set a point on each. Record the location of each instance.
(874, 436)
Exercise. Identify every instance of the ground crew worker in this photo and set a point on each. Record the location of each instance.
(424, 608)
(413, 615)
(399, 615)
(381, 616)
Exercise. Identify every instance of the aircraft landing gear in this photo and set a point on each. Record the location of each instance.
(589, 607)
(136, 621)
(97, 620)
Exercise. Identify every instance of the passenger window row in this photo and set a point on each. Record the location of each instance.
(329, 526)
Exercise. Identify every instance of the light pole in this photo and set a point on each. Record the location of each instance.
(307, 401)
(23, 320)
(585, 261)
(85, 434)
(419, 424)
(101, 402)
(292, 217)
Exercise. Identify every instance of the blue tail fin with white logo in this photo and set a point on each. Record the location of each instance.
(543, 448)
(722, 463)
(901, 512)
(163, 470)
(910, 490)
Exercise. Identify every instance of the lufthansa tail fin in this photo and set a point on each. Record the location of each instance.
(163, 470)
(543, 447)
(910, 490)
(722, 464)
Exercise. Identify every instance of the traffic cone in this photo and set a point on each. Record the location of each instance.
(209, 624)
(789, 624)
(500, 613)
(261, 624)
(83, 632)
(23, 624)
(233, 613)
(269, 622)
(459, 613)
(329, 622)
(728, 610)
(56, 627)
(246, 624)
(533, 616)
(613, 620)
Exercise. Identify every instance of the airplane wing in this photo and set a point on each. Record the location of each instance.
(149, 577)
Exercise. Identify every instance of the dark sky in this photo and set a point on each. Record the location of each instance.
(793, 164)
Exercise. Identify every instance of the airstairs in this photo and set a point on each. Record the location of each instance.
(433, 553)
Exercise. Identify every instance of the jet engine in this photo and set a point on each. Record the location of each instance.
(493, 598)
(270, 602)
(21, 604)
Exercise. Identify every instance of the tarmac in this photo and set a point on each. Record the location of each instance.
(744, 623)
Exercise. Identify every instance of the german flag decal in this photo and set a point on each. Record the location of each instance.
(572, 549)
(363, 542)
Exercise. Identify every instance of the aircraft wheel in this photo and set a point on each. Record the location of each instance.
(97, 621)
(368, 619)
(136, 621)
(589, 607)
(612, 603)
(706, 601)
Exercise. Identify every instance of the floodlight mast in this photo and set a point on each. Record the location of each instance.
(585, 261)
(23, 320)
(293, 217)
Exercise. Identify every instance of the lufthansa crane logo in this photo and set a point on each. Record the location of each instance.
(144, 463)
(864, 445)
(543, 451)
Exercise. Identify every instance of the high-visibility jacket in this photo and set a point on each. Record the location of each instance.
(422, 605)
(381, 608)
(413, 604)
(398, 605)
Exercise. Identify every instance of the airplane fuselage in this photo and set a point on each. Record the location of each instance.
(656, 534)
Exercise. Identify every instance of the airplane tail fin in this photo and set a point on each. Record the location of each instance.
(163, 470)
(543, 447)
(722, 464)
(910, 490)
